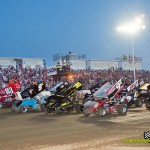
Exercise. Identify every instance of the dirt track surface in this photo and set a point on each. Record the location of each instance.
(38, 131)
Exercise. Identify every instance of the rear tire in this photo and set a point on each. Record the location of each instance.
(86, 112)
(78, 108)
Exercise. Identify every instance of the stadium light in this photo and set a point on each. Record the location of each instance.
(132, 28)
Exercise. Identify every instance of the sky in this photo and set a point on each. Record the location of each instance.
(42, 28)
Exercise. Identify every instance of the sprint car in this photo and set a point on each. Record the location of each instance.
(144, 93)
(132, 94)
(7, 94)
(63, 101)
(104, 101)
(31, 98)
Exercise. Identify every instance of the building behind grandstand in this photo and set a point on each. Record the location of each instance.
(77, 62)
(18, 63)
(73, 61)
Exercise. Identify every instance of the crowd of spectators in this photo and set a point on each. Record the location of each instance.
(87, 77)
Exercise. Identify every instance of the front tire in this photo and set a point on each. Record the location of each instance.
(147, 105)
(47, 110)
(103, 112)
(23, 110)
(59, 110)
(42, 108)
(122, 109)
(138, 103)
(13, 108)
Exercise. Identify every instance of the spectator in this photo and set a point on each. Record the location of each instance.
(27, 76)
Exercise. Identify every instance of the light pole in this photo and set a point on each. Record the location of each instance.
(133, 58)
(132, 28)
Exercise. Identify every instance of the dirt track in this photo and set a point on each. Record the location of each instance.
(38, 131)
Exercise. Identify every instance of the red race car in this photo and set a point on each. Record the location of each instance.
(7, 94)
(104, 101)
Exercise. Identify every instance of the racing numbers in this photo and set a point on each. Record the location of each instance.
(77, 85)
(118, 84)
(18, 86)
(9, 91)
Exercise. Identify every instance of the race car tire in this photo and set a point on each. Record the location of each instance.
(1, 105)
(47, 110)
(86, 112)
(147, 105)
(78, 108)
(59, 110)
(138, 103)
(42, 107)
(122, 109)
(95, 113)
(103, 112)
(23, 110)
(12, 108)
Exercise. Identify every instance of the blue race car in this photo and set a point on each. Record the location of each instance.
(31, 98)
(27, 104)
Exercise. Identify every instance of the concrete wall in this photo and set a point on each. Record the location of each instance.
(25, 62)
(100, 64)
(33, 63)
(77, 64)
(5, 62)
(130, 66)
